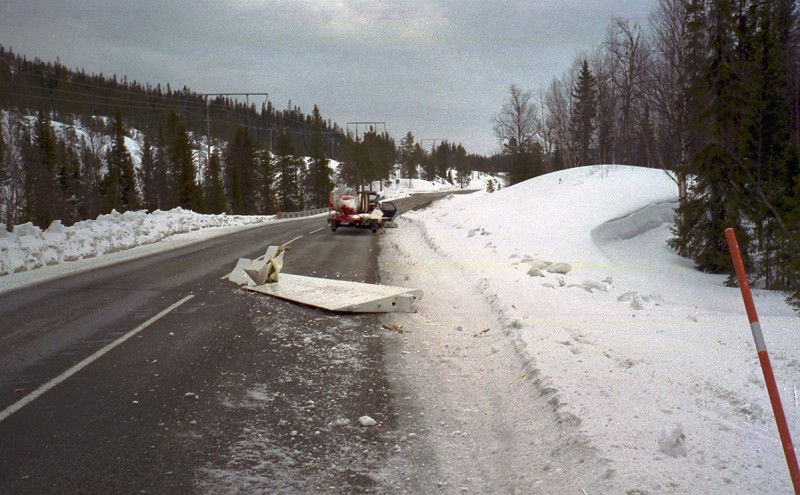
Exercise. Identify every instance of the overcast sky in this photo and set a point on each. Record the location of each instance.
(438, 68)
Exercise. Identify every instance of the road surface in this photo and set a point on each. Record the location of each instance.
(156, 375)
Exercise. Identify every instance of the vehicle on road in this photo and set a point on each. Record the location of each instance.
(362, 209)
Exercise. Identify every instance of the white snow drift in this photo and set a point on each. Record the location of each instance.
(643, 360)
(28, 247)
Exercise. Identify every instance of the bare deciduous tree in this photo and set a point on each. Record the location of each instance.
(629, 58)
(670, 79)
(558, 98)
(515, 125)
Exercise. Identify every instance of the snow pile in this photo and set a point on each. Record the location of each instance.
(642, 358)
(399, 188)
(28, 247)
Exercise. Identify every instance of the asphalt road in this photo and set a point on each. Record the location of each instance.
(215, 390)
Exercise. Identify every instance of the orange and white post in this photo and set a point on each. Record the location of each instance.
(763, 357)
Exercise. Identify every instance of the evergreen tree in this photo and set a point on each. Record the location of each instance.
(6, 217)
(348, 169)
(716, 193)
(185, 192)
(525, 164)
(185, 172)
(381, 151)
(242, 175)
(91, 163)
(288, 183)
(318, 182)
(12, 173)
(771, 160)
(69, 180)
(584, 111)
(791, 246)
(118, 187)
(744, 155)
(431, 165)
(462, 166)
(213, 190)
(148, 175)
(267, 176)
(438, 161)
(44, 200)
(409, 157)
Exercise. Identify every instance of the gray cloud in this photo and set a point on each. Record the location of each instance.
(439, 69)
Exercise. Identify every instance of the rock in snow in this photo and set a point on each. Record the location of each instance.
(367, 421)
(562, 268)
(672, 442)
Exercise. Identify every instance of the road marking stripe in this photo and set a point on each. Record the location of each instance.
(86, 362)
(315, 231)
(298, 237)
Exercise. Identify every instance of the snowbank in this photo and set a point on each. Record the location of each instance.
(652, 360)
(398, 188)
(28, 247)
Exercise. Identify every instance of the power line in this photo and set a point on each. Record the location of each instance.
(369, 123)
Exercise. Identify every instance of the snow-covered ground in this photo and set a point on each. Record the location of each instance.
(630, 373)
(28, 253)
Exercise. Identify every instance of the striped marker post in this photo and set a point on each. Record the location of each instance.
(763, 357)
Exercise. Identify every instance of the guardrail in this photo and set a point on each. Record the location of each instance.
(299, 214)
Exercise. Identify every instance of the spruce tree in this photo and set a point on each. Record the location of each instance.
(267, 178)
(148, 175)
(381, 151)
(69, 180)
(91, 163)
(288, 181)
(584, 111)
(715, 195)
(213, 190)
(5, 178)
(241, 174)
(409, 158)
(772, 159)
(44, 201)
(119, 184)
(182, 169)
(462, 166)
(744, 161)
(318, 182)
(791, 246)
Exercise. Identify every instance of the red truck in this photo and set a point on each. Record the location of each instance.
(362, 209)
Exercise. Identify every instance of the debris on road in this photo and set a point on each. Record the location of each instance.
(263, 275)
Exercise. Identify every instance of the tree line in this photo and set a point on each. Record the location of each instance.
(708, 89)
(66, 150)
(74, 94)
(72, 172)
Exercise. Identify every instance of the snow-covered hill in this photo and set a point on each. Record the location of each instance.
(648, 364)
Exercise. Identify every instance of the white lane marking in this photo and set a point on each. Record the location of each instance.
(315, 231)
(86, 362)
(298, 237)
